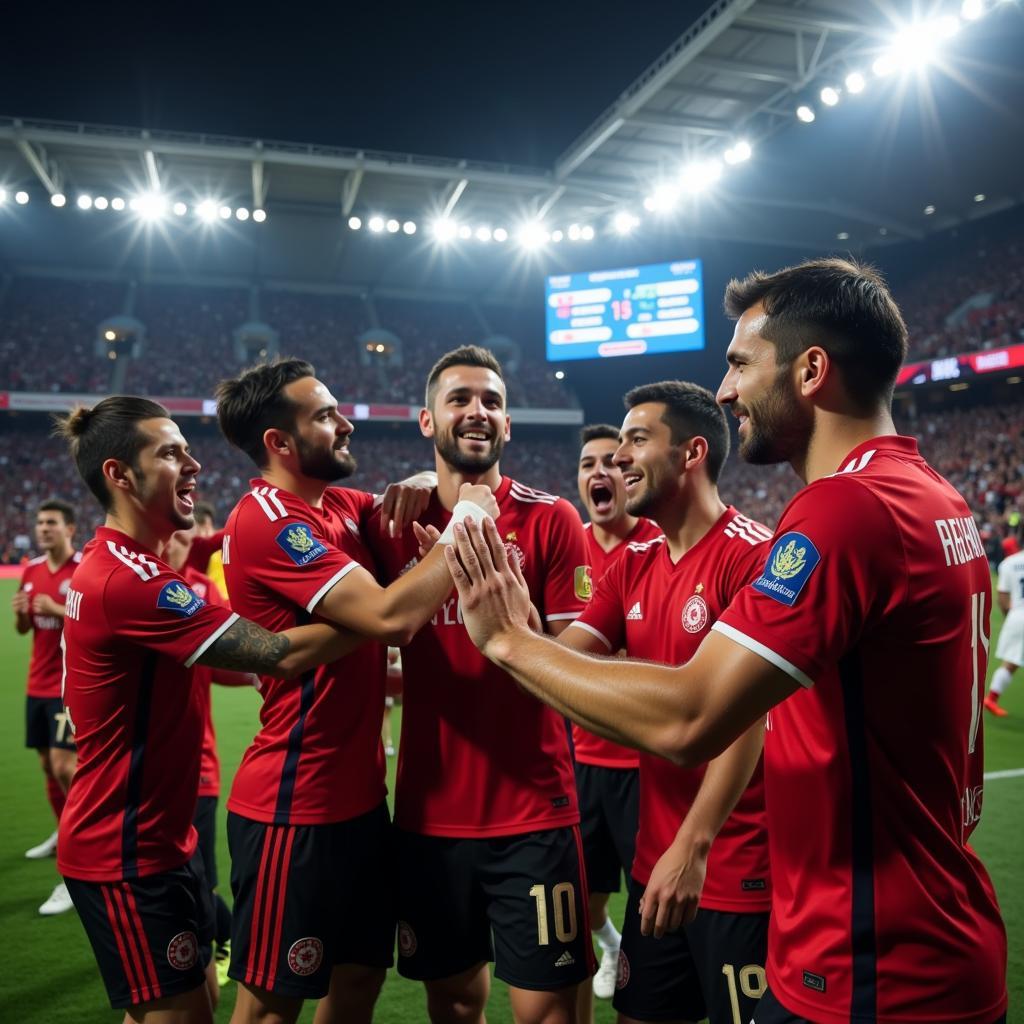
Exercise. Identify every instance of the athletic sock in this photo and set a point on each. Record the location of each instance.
(608, 936)
(56, 796)
(1000, 681)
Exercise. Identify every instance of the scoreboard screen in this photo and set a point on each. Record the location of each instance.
(627, 312)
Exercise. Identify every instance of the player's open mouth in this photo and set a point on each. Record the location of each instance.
(631, 480)
(475, 435)
(601, 497)
(185, 496)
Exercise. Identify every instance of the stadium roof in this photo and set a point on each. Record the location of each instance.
(738, 73)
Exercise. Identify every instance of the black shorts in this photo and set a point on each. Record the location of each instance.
(609, 811)
(47, 724)
(529, 891)
(205, 821)
(152, 936)
(713, 967)
(308, 898)
(771, 1011)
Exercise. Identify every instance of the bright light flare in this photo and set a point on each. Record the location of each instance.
(100, 203)
(259, 216)
(117, 203)
(3, 196)
(444, 229)
(21, 198)
(393, 226)
(662, 199)
(586, 233)
(500, 235)
(58, 199)
(829, 96)
(465, 232)
(242, 213)
(355, 223)
(483, 233)
(855, 83)
(409, 227)
(84, 202)
(532, 235)
(149, 206)
(376, 224)
(917, 45)
(180, 209)
(972, 10)
(805, 113)
(624, 222)
(738, 153)
(206, 211)
(700, 175)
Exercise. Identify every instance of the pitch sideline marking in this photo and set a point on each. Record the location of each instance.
(1009, 773)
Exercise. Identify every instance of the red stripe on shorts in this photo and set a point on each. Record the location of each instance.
(131, 971)
(584, 899)
(257, 933)
(147, 957)
(282, 885)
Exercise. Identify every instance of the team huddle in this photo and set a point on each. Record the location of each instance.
(736, 747)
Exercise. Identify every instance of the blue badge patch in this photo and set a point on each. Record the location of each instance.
(299, 544)
(790, 563)
(176, 597)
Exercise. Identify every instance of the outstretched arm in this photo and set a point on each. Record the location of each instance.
(688, 714)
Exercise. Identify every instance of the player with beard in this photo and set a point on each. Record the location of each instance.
(133, 633)
(607, 774)
(871, 610)
(308, 825)
(702, 839)
(39, 608)
(488, 834)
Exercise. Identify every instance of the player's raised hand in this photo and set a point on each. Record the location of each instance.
(43, 604)
(482, 495)
(20, 602)
(493, 595)
(672, 895)
(405, 502)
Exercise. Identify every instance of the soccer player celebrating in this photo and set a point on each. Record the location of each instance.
(308, 827)
(39, 607)
(1010, 648)
(488, 836)
(658, 601)
(607, 776)
(133, 630)
(881, 910)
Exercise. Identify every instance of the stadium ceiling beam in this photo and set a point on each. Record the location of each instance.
(719, 17)
(150, 166)
(43, 168)
(350, 190)
(786, 19)
(546, 206)
(452, 195)
(678, 90)
(743, 69)
(694, 125)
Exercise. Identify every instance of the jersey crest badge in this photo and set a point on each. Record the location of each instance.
(305, 956)
(695, 613)
(514, 551)
(299, 544)
(583, 583)
(183, 951)
(64, 587)
(176, 597)
(790, 563)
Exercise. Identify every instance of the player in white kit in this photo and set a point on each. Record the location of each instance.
(1010, 649)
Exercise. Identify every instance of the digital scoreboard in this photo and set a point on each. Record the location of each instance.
(627, 312)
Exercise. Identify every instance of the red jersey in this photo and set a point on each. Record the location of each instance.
(479, 756)
(588, 748)
(45, 667)
(202, 549)
(202, 678)
(132, 632)
(317, 757)
(660, 611)
(875, 597)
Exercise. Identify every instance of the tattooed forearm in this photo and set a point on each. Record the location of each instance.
(248, 648)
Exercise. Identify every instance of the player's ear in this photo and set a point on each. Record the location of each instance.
(277, 442)
(117, 474)
(426, 422)
(814, 366)
(695, 452)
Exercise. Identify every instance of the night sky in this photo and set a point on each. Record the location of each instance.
(511, 82)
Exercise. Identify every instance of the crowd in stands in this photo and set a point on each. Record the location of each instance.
(980, 450)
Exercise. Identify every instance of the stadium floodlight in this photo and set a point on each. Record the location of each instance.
(980, 197)
(376, 224)
(242, 213)
(84, 202)
(3, 196)
(180, 209)
(224, 213)
(117, 203)
(556, 236)
(929, 210)
(532, 234)
(21, 198)
(587, 233)
(738, 153)
(355, 223)
(843, 236)
(465, 232)
(100, 203)
(58, 199)
(829, 96)
(663, 198)
(151, 206)
(110, 335)
(972, 10)
(500, 235)
(259, 215)
(700, 175)
(409, 227)
(624, 222)
(559, 374)
(483, 233)
(444, 229)
(393, 226)
(855, 83)
(916, 45)
(574, 232)
(805, 113)
(206, 211)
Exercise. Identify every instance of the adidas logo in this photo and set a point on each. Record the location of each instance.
(565, 960)
(634, 612)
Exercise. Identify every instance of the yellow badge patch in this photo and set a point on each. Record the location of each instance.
(582, 583)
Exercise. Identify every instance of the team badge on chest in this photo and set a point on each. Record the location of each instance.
(695, 612)
(513, 550)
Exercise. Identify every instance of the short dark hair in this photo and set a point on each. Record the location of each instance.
(65, 508)
(255, 402)
(840, 304)
(598, 432)
(109, 430)
(464, 355)
(204, 512)
(690, 410)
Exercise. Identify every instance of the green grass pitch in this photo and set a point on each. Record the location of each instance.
(49, 976)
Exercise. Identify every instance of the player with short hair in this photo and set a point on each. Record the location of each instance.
(308, 825)
(1010, 647)
(38, 607)
(871, 611)
(133, 630)
(489, 849)
(702, 837)
(607, 774)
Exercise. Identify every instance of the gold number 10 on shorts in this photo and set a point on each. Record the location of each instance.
(752, 984)
(563, 900)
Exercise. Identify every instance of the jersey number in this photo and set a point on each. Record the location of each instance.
(752, 984)
(62, 718)
(563, 900)
(979, 663)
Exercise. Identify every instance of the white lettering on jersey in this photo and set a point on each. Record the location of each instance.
(47, 622)
(225, 549)
(73, 607)
(449, 614)
(960, 540)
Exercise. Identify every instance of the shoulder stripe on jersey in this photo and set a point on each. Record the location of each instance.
(322, 592)
(765, 652)
(746, 529)
(856, 465)
(593, 632)
(560, 616)
(76, 557)
(639, 546)
(38, 560)
(198, 652)
(259, 493)
(139, 564)
(276, 502)
(529, 496)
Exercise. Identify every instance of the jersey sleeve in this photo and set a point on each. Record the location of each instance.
(603, 615)
(291, 557)
(835, 564)
(567, 582)
(1004, 586)
(162, 613)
